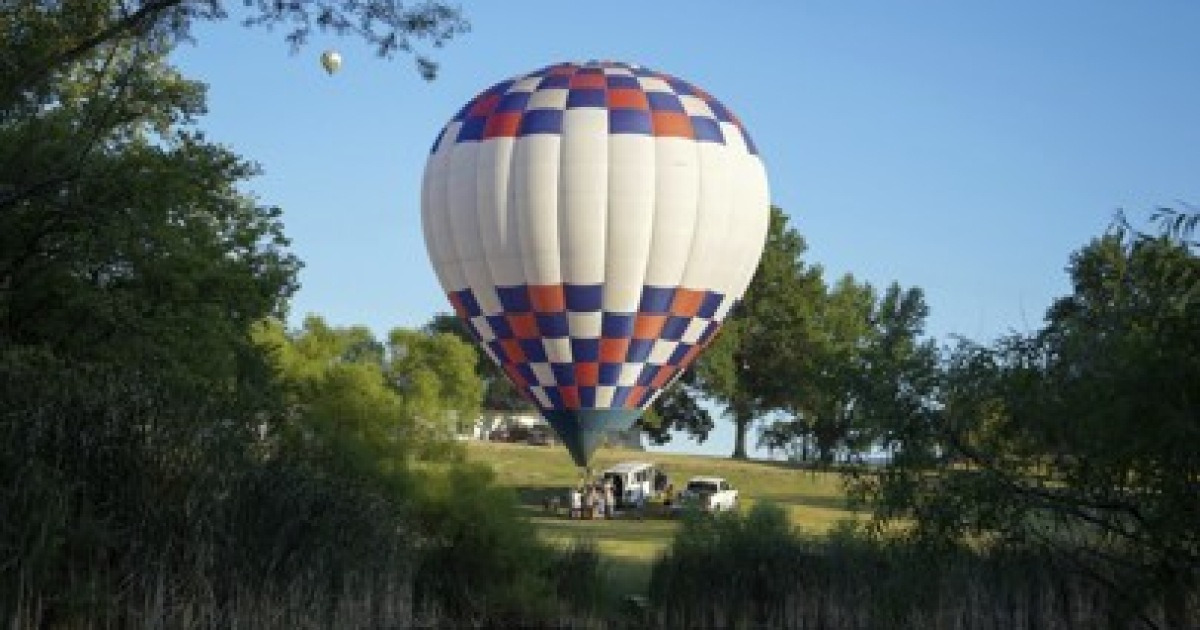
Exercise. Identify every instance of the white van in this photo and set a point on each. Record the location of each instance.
(635, 482)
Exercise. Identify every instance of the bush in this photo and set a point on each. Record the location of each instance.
(480, 561)
(753, 571)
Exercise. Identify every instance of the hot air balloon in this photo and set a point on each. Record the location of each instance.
(592, 224)
(331, 61)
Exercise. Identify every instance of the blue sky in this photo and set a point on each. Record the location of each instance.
(965, 148)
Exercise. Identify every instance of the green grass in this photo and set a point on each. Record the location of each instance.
(814, 501)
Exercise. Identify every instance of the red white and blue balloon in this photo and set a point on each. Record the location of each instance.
(593, 223)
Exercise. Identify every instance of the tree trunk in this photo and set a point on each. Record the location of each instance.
(740, 424)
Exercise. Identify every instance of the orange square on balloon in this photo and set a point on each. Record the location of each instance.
(523, 325)
(647, 326)
(547, 298)
(664, 375)
(502, 125)
(627, 98)
(686, 302)
(512, 351)
(587, 374)
(674, 124)
(614, 350)
(570, 396)
(634, 399)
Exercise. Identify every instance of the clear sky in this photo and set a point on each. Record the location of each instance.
(963, 147)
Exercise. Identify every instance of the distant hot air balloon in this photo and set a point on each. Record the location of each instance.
(331, 61)
(593, 224)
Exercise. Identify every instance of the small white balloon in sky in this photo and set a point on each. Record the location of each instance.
(331, 61)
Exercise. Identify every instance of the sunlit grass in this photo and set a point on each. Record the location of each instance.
(814, 501)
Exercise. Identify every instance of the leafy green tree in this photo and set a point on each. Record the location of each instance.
(499, 394)
(435, 375)
(771, 333)
(43, 40)
(1079, 439)
(898, 378)
(145, 235)
(678, 408)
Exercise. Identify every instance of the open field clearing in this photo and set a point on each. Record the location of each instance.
(814, 500)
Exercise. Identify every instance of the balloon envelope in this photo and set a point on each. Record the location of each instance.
(593, 224)
(331, 61)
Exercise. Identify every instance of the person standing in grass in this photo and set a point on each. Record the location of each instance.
(608, 500)
(576, 503)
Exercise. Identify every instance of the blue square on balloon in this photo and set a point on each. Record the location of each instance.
(585, 350)
(513, 299)
(526, 373)
(512, 102)
(680, 86)
(750, 146)
(552, 324)
(583, 298)
(677, 356)
(500, 327)
(622, 81)
(664, 102)
(536, 121)
(462, 113)
(500, 88)
(586, 97)
(617, 326)
(707, 129)
(472, 129)
(554, 81)
(564, 373)
(555, 397)
(438, 141)
(587, 397)
(639, 350)
(629, 121)
(649, 371)
(498, 350)
(674, 327)
(708, 307)
(656, 299)
(620, 395)
(469, 303)
(534, 351)
(719, 110)
(610, 373)
(709, 331)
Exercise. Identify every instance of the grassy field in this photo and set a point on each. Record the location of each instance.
(814, 501)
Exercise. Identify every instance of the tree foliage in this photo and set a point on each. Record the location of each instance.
(769, 332)
(1079, 438)
(45, 40)
(499, 394)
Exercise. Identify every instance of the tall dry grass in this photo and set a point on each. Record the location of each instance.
(752, 571)
(131, 499)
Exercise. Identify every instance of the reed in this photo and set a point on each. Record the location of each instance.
(752, 571)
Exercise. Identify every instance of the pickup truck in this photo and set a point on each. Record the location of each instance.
(712, 494)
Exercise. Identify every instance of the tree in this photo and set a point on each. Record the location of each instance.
(1079, 439)
(678, 408)
(868, 376)
(499, 394)
(771, 333)
(45, 39)
(435, 376)
(144, 250)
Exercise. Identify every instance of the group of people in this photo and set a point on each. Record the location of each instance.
(593, 500)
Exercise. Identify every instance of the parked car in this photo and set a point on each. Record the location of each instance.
(634, 483)
(711, 494)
